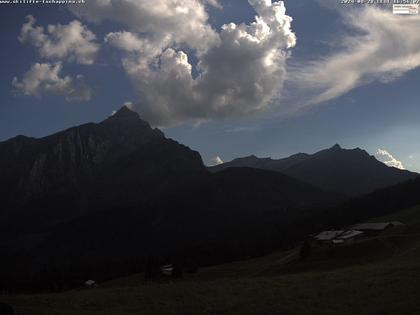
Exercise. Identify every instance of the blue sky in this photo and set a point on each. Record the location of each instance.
(372, 113)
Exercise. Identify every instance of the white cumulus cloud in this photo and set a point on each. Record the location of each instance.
(214, 3)
(216, 161)
(163, 22)
(381, 47)
(44, 78)
(387, 158)
(240, 70)
(73, 42)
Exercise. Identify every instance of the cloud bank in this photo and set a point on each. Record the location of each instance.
(239, 70)
(73, 42)
(387, 158)
(44, 78)
(384, 48)
(184, 70)
(159, 24)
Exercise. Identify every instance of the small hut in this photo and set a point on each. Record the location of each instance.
(90, 284)
(167, 270)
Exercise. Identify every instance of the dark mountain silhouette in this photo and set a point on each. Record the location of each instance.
(117, 192)
(101, 200)
(119, 161)
(351, 172)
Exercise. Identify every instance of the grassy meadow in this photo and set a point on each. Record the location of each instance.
(377, 276)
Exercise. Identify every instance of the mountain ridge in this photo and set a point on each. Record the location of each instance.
(347, 171)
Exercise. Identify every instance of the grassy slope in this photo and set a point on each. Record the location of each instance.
(381, 276)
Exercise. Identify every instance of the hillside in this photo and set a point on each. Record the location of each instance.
(108, 196)
(379, 203)
(226, 216)
(387, 282)
(351, 172)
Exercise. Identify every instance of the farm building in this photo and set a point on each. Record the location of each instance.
(350, 235)
(356, 231)
(372, 226)
(327, 236)
(167, 270)
(338, 237)
(90, 283)
(375, 226)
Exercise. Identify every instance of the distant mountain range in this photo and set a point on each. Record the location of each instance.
(351, 172)
(122, 162)
(98, 200)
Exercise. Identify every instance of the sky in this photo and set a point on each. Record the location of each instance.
(228, 78)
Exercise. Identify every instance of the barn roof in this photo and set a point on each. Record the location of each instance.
(328, 235)
(371, 226)
(397, 223)
(350, 234)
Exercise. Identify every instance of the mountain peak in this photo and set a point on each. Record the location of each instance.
(125, 112)
(336, 147)
(126, 116)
